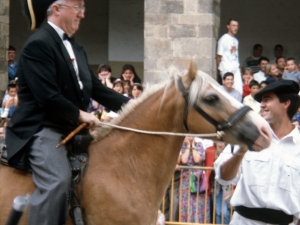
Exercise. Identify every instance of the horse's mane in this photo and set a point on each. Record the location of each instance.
(198, 85)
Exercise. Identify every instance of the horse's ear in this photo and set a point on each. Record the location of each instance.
(192, 71)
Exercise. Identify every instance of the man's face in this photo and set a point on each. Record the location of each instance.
(11, 55)
(228, 82)
(257, 52)
(263, 65)
(281, 63)
(70, 14)
(272, 109)
(233, 28)
(291, 65)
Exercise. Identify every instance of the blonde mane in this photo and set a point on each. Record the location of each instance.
(198, 85)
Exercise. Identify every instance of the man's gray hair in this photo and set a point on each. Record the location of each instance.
(49, 10)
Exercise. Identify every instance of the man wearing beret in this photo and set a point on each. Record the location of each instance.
(268, 181)
(55, 86)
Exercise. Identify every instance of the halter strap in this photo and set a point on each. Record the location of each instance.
(220, 126)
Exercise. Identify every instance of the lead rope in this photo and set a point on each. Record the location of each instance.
(218, 134)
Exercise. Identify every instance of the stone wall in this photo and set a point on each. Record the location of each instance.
(177, 30)
(4, 40)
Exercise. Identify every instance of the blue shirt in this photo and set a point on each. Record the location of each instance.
(295, 76)
(12, 71)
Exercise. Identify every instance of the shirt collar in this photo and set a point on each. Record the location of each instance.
(294, 134)
(59, 31)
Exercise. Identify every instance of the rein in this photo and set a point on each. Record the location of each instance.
(220, 126)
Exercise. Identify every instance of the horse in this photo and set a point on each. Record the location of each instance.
(129, 172)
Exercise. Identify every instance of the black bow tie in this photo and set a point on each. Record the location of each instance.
(66, 37)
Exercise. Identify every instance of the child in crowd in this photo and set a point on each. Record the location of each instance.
(247, 77)
(127, 87)
(118, 86)
(272, 73)
(10, 101)
(293, 73)
(249, 100)
(136, 91)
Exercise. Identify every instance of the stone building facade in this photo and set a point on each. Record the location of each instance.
(177, 30)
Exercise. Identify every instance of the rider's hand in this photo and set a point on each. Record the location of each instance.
(88, 118)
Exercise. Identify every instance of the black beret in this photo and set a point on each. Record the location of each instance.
(36, 11)
(282, 86)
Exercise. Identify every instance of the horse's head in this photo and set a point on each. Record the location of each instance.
(210, 109)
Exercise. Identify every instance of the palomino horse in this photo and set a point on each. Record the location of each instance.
(129, 172)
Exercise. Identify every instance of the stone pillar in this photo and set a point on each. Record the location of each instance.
(177, 30)
(4, 42)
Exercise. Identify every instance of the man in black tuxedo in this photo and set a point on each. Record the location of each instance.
(55, 86)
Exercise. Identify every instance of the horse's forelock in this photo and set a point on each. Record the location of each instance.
(200, 83)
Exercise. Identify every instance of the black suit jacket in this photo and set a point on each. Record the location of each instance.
(49, 93)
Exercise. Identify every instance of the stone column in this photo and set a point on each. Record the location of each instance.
(4, 42)
(177, 30)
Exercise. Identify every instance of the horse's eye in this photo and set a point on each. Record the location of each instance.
(211, 98)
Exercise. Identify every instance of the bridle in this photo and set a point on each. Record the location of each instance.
(220, 126)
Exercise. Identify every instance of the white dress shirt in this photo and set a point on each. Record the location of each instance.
(69, 48)
(266, 179)
(251, 102)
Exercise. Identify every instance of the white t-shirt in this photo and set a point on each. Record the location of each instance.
(259, 76)
(228, 49)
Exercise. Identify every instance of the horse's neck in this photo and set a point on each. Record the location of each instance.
(143, 155)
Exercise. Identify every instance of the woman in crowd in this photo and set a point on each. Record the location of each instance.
(136, 90)
(192, 154)
(128, 73)
(272, 73)
(104, 74)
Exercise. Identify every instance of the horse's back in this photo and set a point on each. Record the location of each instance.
(13, 182)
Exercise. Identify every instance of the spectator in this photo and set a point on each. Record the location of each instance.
(260, 75)
(252, 61)
(2, 137)
(280, 62)
(118, 86)
(272, 73)
(228, 80)
(247, 77)
(293, 73)
(263, 84)
(267, 190)
(127, 87)
(104, 74)
(136, 90)
(128, 73)
(227, 55)
(12, 64)
(278, 50)
(10, 101)
(192, 153)
(249, 100)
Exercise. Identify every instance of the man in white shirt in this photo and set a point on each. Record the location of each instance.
(227, 55)
(260, 75)
(268, 181)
